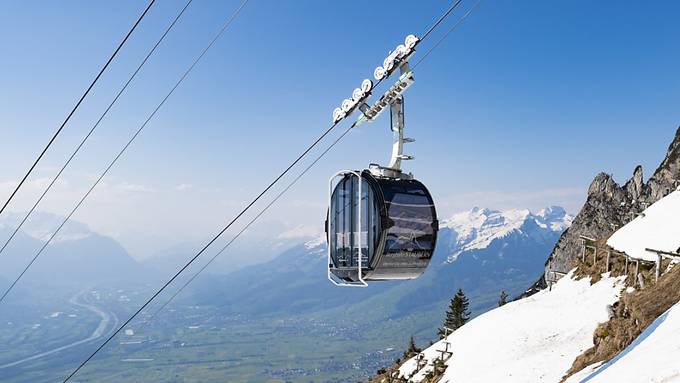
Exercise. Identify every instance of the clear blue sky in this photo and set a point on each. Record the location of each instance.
(519, 107)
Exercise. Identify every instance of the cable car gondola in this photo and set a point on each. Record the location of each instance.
(381, 222)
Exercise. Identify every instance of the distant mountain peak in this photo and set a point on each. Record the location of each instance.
(478, 227)
(41, 226)
(318, 244)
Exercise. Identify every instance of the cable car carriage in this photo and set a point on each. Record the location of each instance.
(381, 222)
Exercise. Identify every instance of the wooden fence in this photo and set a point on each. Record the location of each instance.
(590, 243)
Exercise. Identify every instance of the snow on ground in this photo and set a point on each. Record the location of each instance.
(535, 339)
(653, 357)
(408, 369)
(657, 228)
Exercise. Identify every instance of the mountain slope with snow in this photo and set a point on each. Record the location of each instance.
(522, 341)
(657, 349)
(658, 228)
(554, 333)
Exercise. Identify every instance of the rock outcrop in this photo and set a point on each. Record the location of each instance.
(610, 206)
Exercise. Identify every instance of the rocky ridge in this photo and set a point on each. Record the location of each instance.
(609, 206)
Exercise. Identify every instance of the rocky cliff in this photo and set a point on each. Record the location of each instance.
(610, 205)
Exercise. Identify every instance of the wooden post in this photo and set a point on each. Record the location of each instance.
(595, 255)
(637, 268)
(609, 255)
(583, 253)
(658, 267)
(626, 268)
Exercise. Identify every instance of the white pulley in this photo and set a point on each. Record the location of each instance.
(366, 86)
(388, 64)
(379, 73)
(357, 95)
(347, 105)
(411, 41)
(401, 50)
(338, 114)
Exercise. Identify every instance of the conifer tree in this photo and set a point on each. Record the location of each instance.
(503, 299)
(412, 349)
(457, 314)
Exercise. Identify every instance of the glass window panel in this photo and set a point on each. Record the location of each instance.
(345, 219)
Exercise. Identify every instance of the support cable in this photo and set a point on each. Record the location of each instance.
(292, 183)
(441, 18)
(448, 32)
(252, 221)
(124, 149)
(68, 117)
(94, 127)
(243, 211)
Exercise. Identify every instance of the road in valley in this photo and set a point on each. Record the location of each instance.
(105, 323)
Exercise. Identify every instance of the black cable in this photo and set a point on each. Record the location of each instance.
(54, 180)
(448, 32)
(217, 36)
(54, 137)
(441, 19)
(252, 221)
(122, 151)
(219, 234)
(292, 183)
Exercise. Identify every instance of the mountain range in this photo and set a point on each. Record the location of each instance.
(76, 257)
(482, 251)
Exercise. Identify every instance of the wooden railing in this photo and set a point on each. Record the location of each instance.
(590, 243)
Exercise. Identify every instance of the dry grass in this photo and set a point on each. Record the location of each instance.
(632, 314)
(617, 267)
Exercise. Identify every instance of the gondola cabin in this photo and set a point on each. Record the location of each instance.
(379, 228)
(381, 222)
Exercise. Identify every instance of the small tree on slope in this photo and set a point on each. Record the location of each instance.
(457, 314)
(412, 348)
(503, 299)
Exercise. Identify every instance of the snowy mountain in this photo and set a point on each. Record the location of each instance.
(78, 255)
(522, 338)
(482, 251)
(609, 206)
(40, 226)
(478, 228)
(591, 326)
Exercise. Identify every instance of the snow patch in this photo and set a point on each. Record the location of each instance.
(652, 357)
(300, 231)
(535, 339)
(658, 227)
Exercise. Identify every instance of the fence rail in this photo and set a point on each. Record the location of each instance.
(591, 243)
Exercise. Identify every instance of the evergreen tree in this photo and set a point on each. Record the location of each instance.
(412, 349)
(503, 298)
(457, 314)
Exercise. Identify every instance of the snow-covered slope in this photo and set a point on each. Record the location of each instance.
(477, 228)
(654, 357)
(658, 227)
(535, 339)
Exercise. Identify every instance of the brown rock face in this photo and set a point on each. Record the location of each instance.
(609, 206)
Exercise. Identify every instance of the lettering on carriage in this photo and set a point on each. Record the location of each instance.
(413, 254)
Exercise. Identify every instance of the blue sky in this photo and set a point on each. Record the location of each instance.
(519, 108)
